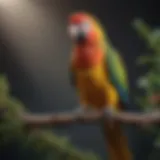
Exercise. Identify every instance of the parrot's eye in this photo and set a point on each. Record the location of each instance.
(73, 30)
(85, 27)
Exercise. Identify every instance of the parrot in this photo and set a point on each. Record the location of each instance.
(98, 74)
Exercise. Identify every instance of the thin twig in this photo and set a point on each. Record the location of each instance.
(60, 119)
(92, 117)
(37, 120)
(139, 118)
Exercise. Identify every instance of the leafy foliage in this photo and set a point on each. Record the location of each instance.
(43, 142)
(51, 146)
(150, 81)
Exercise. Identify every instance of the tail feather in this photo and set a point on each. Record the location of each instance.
(117, 143)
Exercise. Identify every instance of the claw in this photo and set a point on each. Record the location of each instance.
(109, 115)
(78, 112)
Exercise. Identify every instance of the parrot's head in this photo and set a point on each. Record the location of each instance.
(88, 39)
(83, 28)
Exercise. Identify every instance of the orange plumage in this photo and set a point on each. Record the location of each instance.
(92, 79)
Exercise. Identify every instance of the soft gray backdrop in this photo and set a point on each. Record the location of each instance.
(35, 52)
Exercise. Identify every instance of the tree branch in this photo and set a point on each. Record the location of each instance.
(92, 117)
(37, 120)
(60, 119)
(138, 118)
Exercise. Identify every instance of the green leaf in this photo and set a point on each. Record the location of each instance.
(142, 28)
(143, 60)
(43, 142)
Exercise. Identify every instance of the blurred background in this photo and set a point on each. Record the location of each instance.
(34, 54)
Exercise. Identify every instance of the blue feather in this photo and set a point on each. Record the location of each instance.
(117, 74)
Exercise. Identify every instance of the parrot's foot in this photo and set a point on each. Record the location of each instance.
(109, 114)
(80, 111)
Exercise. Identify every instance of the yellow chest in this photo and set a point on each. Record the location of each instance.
(92, 85)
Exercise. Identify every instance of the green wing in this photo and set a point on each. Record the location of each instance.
(117, 73)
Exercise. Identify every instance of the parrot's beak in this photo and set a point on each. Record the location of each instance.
(80, 38)
(77, 34)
